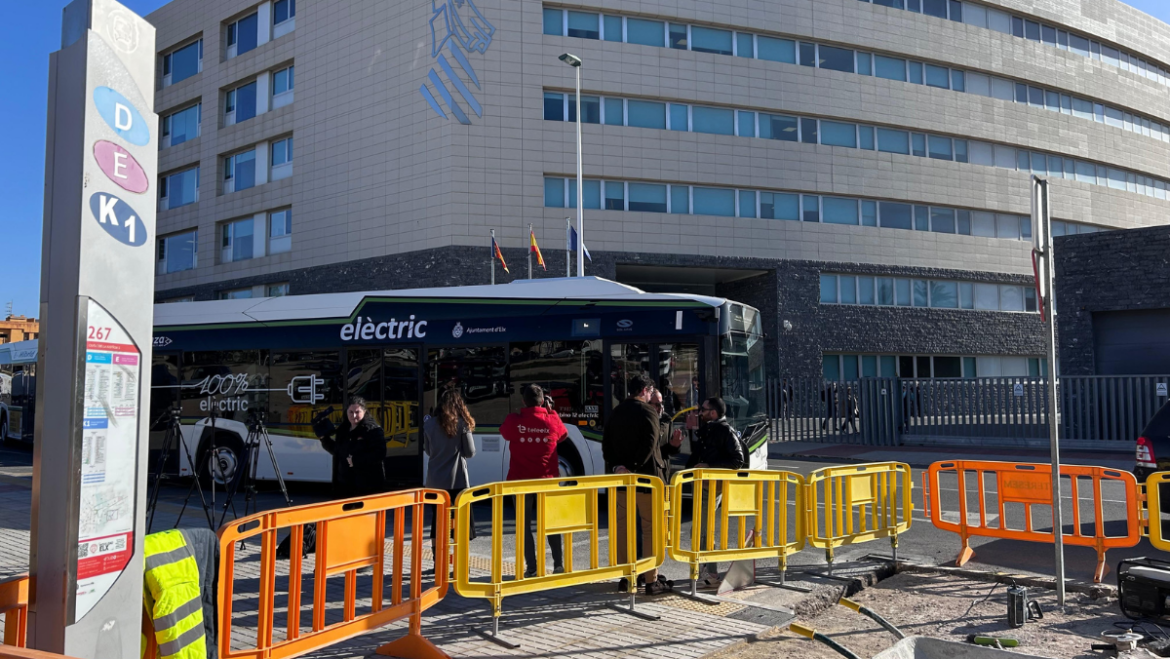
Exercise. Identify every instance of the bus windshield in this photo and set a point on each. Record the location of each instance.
(742, 356)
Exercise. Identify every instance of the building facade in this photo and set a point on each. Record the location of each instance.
(860, 171)
(18, 328)
(1113, 298)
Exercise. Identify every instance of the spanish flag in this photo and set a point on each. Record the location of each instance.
(535, 249)
(496, 253)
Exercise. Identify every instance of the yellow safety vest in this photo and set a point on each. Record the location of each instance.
(172, 597)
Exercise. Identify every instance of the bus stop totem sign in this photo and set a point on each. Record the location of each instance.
(97, 289)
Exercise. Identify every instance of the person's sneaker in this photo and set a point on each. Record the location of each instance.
(529, 573)
(559, 570)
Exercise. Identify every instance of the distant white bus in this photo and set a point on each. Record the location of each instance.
(18, 388)
(580, 339)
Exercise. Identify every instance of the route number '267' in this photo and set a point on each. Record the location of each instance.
(98, 333)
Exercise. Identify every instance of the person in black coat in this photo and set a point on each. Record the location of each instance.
(716, 445)
(358, 449)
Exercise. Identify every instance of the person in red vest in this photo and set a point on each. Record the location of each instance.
(532, 435)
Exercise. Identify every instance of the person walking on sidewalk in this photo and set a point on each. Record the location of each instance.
(532, 436)
(719, 447)
(449, 444)
(630, 445)
(852, 411)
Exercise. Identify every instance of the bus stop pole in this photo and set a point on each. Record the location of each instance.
(97, 291)
(1042, 221)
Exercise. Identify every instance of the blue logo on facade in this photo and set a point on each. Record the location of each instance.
(118, 219)
(458, 27)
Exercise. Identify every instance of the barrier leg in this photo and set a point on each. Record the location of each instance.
(634, 612)
(1102, 568)
(966, 553)
(494, 634)
(414, 645)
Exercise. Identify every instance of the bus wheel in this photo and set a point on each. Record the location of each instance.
(225, 465)
(3, 430)
(568, 460)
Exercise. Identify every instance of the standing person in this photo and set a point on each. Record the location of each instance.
(669, 440)
(630, 444)
(852, 411)
(829, 397)
(358, 451)
(449, 444)
(719, 447)
(532, 435)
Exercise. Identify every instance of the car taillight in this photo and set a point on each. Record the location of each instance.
(1145, 453)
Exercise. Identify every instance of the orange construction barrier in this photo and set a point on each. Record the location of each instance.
(351, 535)
(1029, 485)
(14, 606)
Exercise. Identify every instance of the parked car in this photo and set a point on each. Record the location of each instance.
(1153, 451)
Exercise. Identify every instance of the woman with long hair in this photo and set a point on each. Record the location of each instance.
(448, 443)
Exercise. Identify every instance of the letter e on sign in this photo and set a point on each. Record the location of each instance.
(121, 167)
(118, 219)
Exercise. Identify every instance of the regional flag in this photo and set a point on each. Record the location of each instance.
(496, 253)
(535, 249)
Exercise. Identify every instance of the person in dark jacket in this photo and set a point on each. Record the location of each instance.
(358, 449)
(716, 446)
(669, 439)
(630, 444)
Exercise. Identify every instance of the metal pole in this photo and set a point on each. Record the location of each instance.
(1042, 219)
(492, 257)
(530, 251)
(580, 187)
(568, 252)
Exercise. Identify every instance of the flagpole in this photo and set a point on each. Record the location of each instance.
(530, 234)
(568, 252)
(492, 256)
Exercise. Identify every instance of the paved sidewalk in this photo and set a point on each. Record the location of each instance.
(566, 622)
(923, 456)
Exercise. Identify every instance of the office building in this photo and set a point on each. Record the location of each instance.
(860, 171)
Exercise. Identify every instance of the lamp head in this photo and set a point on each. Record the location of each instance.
(570, 59)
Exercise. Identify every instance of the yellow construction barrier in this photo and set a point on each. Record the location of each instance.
(563, 508)
(860, 503)
(1154, 528)
(771, 503)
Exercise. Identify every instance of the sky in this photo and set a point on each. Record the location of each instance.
(32, 31)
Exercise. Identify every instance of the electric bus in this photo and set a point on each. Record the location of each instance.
(299, 358)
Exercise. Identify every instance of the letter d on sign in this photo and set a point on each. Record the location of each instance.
(123, 119)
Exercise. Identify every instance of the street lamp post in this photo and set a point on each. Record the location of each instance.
(575, 62)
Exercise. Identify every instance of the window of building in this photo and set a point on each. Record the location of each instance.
(713, 201)
(171, 300)
(776, 50)
(277, 290)
(236, 294)
(182, 63)
(178, 252)
(243, 35)
(615, 195)
(280, 231)
(284, 17)
(648, 197)
(181, 126)
(179, 188)
(718, 121)
(584, 25)
(240, 104)
(710, 40)
(645, 32)
(646, 114)
(554, 22)
(282, 87)
(236, 241)
(282, 159)
(239, 171)
(835, 59)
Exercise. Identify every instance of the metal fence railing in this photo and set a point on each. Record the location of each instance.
(1010, 410)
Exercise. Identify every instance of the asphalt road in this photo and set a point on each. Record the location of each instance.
(923, 542)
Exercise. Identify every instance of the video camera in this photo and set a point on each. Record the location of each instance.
(322, 426)
(256, 418)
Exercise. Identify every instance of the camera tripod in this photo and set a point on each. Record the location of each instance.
(257, 435)
(174, 439)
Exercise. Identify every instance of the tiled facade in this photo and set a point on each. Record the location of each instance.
(382, 184)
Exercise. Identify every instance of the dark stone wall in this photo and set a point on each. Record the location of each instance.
(1108, 271)
(790, 290)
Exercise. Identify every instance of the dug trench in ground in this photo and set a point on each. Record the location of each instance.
(946, 607)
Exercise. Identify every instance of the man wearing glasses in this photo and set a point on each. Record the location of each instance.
(717, 446)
